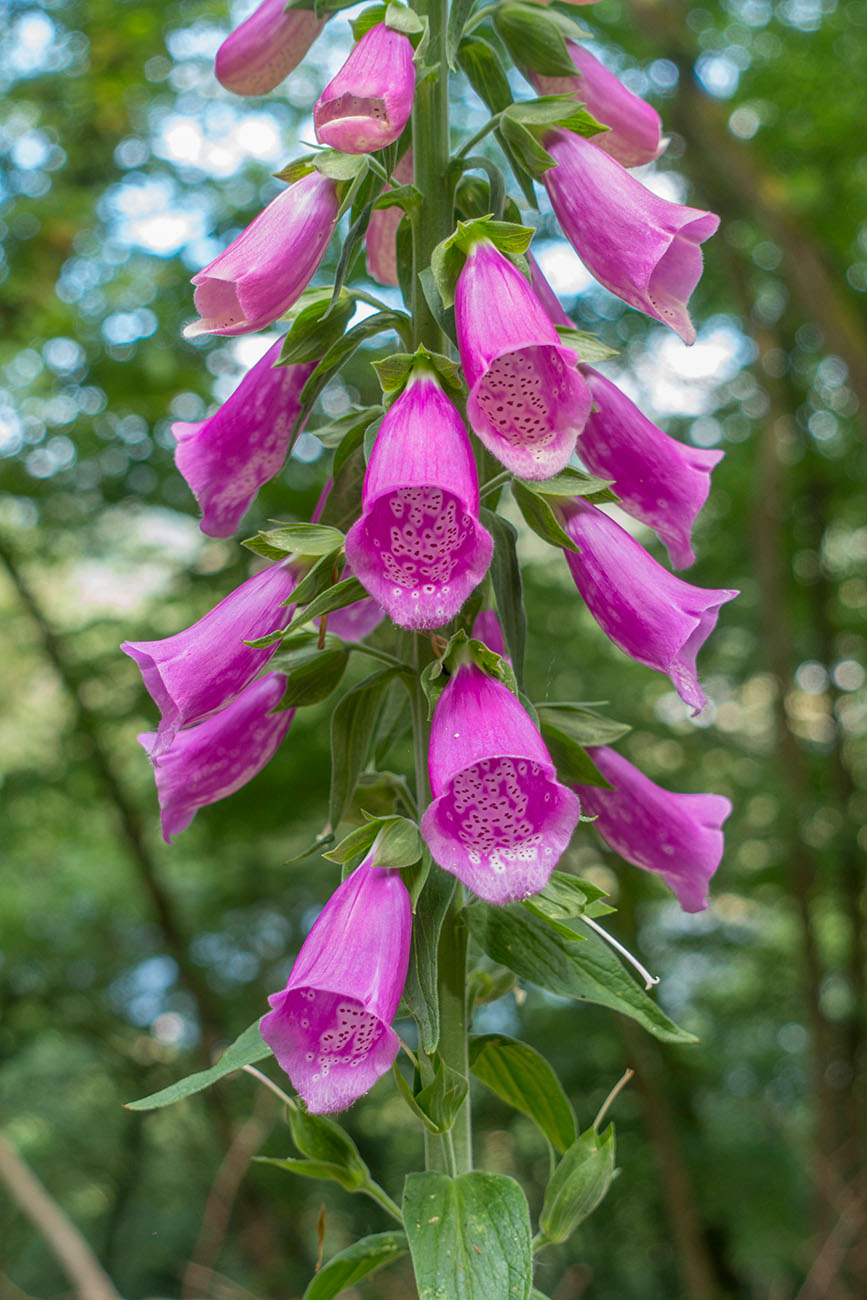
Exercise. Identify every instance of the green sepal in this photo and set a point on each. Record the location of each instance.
(316, 326)
(296, 170)
(295, 539)
(248, 1048)
(534, 39)
(589, 347)
(460, 649)
(323, 575)
(527, 154)
(554, 110)
(540, 517)
(400, 18)
(343, 593)
(334, 434)
(577, 1186)
(521, 1077)
(369, 18)
(397, 840)
(437, 1104)
(447, 259)
(572, 483)
(394, 371)
(322, 1139)
(337, 166)
(484, 70)
(401, 196)
(357, 1261)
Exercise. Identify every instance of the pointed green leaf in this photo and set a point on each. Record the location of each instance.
(356, 1262)
(481, 64)
(522, 1078)
(247, 1048)
(533, 39)
(420, 991)
(572, 483)
(352, 725)
(590, 347)
(314, 678)
(312, 332)
(577, 1185)
(539, 516)
(323, 1140)
(582, 724)
(574, 765)
(295, 539)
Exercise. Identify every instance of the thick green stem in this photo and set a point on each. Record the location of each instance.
(430, 147)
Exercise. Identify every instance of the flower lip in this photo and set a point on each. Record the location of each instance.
(369, 101)
(354, 124)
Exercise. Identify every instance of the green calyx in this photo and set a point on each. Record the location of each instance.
(447, 260)
(396, 371)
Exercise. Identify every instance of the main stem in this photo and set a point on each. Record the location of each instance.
(431, 156)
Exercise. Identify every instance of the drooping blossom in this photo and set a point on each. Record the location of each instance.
(660, 481)
(226, 458)
(419, 548)
(380, 241)
(367, 105)
(500, 819)
(330, 1028)
(212, 760)
(654, 617)
(677, 836)
(527, 401)
(192, 675)
(269, 265)
(634, 136)
(641, 247)
(266, 47)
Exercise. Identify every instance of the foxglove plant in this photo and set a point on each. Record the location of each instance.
(409, 563)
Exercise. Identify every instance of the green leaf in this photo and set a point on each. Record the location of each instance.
(367, 19)
(310, 336)
(314, 678)
(577, 1185)
(555, 110)
(352, 725)
(565, 896)
(436, 1104)
(356, 1262)
(402, 19)
(588, 971)
(399, 843)
(459, 12)
(589, 347)
(534, 40)
(319, 578)
(469, 1237)
(247, 1048)
(508, 587)
(482, 67)
(322, 1140)
(335, 433)
(540, 517)
(574, 765)
(340, 352)
(295, 539)
(343, 593)
(525, 149)
(522, 1078)
(583, 725)
(343, 503)
(340, 166)
(420, 991)
(447, 259)
(572, 483)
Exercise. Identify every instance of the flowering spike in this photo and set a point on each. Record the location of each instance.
(634, 136)
(527, 401)
(418, 547)
(226, 458)
(210, 761)
(330, 1028)
(262, 272)
(266, 47)
(659, 480)
(367, 105)
(656, 618)
(500, 819)
(641, 247)
(677, 836)
(380, 240)
(192, 675)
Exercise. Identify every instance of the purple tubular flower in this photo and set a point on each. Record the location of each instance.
(659, 480)
(487, 630)
(262, 272)
(500, 819)
(527, 401)
(192, 675)
(266, 47)
(226, 458)
(642, 248)
(380, 241)
(546, 295)
(677, 836)
(208, 762)
(635, 129)
(330, 1028)
(418, 547)
(654, 617)
(368, 103)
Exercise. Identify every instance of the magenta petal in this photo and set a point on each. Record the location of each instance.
(269, 265)
(527, 401)
(367, 105)
(641, 247)
(226, 458)
(265, 48)
(487, 629)
(419, 548)
(330, 1028)
(659, 480)
(634, 136)
(500, 819)
(656, 618)
(380, 241)
(192, 675)
(210, 761)
(677, 836)
(546, 295)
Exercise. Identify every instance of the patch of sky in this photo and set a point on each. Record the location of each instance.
(150, 213)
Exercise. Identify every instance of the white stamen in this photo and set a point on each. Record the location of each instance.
(649, 980)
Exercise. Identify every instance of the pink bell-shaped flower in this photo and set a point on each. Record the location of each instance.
(266, 47)
(527, 401)
(641, 247)
(380, 241)
(634, 136)
(367, 105)
(330, 1028)
(677, 836)
(226, 458)
(419, 548)
(262, 272)
(654, 617)
(500, 820)
(659, 480)
(212, 760)
(192, 675)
